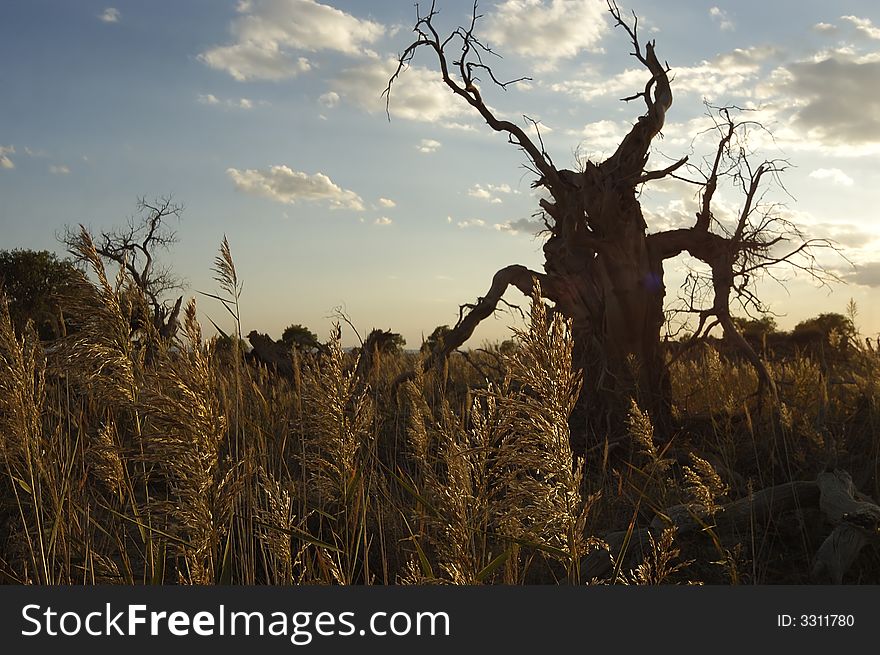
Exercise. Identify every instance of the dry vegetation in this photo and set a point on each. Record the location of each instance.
(125, 458)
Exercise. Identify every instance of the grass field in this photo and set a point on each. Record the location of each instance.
(141, 461)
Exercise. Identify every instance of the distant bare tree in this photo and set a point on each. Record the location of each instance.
(603, 269)
(135, 249)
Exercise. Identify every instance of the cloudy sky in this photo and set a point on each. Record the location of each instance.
(264, 118)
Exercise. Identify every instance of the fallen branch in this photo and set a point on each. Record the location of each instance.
(855, 516)
(856, 520)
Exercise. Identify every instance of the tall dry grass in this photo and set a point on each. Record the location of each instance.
(128, 459)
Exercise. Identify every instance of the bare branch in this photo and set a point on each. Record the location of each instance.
(339, 314)
(656, 175)
(465, 86)
(516, 275)
(631, 154)
(705, 215)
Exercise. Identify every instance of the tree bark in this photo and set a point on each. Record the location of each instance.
(599, 253)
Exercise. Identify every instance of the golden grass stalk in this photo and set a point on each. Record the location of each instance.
(339, 457)
(655, 471)
(452, 512)
(101, 352)
(704, 487)
(105, 354)
(338, 421)
(277, 520)
(22, 394)
(105, 459)
(184, 434)
(22, 388)
(661, 561)
(537, 499)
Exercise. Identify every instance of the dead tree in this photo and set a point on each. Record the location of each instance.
(275, 355)
(134, 249)
(603, 269)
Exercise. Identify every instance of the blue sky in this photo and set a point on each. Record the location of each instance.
(264, 119)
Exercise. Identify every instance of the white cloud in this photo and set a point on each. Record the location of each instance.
(489, 192)
(828, 101)
(110, 15)
(602, 136)
(329, 99)
(597, 86)
(428, 146)
(383, 220)
(867, 274)
(472, 222)
(834, 175)
(673, 215)
(269, 34)
(5, 161)
(679, 210)
(283, 184)
(825, 28)
(478, 192)
(387, 202)
(418, 94)
(703, 134)
(547, 30)
(734, 72)
(60, 169)
(854, 237)
(483, 194)
(521, 226)
(212, 100)
(864, 26)
(248, 62)
(722, 19)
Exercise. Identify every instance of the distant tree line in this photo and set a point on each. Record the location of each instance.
(829, 330)
(36, 282)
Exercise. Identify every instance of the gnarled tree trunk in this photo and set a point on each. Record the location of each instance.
(610, 285)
